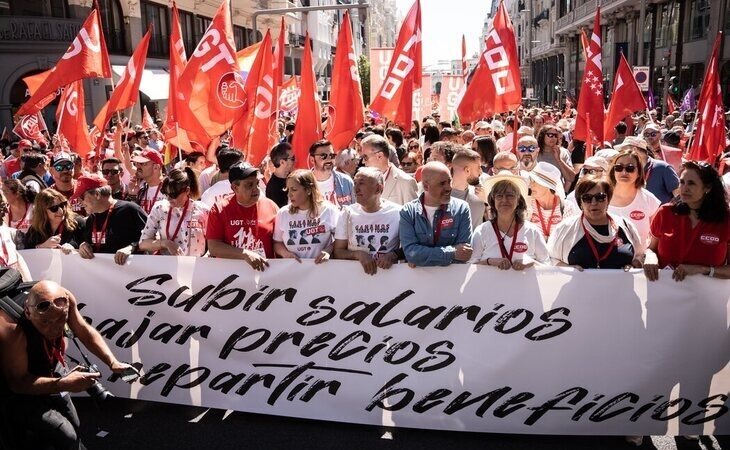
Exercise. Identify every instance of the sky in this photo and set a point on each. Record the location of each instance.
(443, 22)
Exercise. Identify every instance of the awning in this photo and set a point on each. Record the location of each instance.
(155, 82)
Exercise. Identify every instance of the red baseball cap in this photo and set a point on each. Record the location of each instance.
(86, 182)
(149, 154)
(24, 143)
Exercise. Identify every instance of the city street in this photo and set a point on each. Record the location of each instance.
(127, 424)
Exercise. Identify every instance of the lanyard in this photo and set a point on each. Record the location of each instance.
(546, 230)
(179, 223)
(500, 240)
(148, 206)
(60, 229)
(10, 216)
(100, 237)
(592, 244)
(439, 225)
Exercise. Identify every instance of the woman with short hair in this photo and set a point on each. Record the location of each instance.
(595, 239)
(304, 229)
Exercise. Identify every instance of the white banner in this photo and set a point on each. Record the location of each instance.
(467, 348)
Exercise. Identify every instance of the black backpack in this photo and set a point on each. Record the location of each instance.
(13, 292)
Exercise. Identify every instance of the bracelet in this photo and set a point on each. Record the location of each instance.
(712, 272)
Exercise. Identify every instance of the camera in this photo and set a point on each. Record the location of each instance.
(97, 391)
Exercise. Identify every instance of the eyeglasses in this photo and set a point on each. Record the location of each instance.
(588, 198)
(110, 172)
(326, 156)
(629, 168)
(365, 157)
(526, 148)
(408, 163)
(551, 135)
(55, 208)
(64, 166)
(651, 134)
(592, 171)
(44, 306)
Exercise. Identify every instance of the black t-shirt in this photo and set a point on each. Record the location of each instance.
(622, 255)
(32, 238)
(124, 227)
(275, 191)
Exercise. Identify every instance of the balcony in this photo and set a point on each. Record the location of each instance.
(583, 14)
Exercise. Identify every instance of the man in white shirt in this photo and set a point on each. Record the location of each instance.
(398, 186)
(465, 184)
(368, 230)
(336, 187)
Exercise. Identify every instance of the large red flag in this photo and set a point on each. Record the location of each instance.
(495, 86)
(395, 97)
(709, 137)
(71, 119)
(626, 98)
(211, 83)
(85, 58)
(591, 91)
(279, 50)
(126, 93)
(308, 127)
(347, 111)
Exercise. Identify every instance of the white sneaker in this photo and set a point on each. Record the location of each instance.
(635, 440)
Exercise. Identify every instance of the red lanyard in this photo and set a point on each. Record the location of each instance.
(148, 206)
(60, 229)
(10, 216)
(55, 350)
(592, 244)
(100, 237)
(546, 230)
(500, 240)
(439, 225)
(179, 223)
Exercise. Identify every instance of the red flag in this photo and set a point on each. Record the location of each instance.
(27, 128)
(395, 97)
(147, 122)
(308, 127)
(591, 92)
(464, 65)
(289, 96)
(85, 58)
(709, 137)
(495, 86)
(126, 93)
(211, 83)
(257, 129)
(279, 50)
(585, 42)
(71, 119)
(347, 110)
(626, 98)
(671, 106)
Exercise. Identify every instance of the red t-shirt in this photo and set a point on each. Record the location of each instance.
(12, 166)
(247, 228)
(679, 243)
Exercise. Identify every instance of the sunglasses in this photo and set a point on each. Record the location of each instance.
(592, 171)
(326, 156)
(413, 146)
(629, 168)
(588, 198)
(551, 135)
(65, 166)
(55, 208)
(44, 306)
(526, 148)
(110, 172)
(651, 134)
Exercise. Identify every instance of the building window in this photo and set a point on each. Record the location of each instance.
(187, 22)
(666, 27)
(42, 8)
(112, 22)
(699, 19)
(155, 15)
(201, 26)
(239, 37)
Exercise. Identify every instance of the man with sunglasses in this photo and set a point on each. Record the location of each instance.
(335, 186)
(113, 172)
(399, 187)
(62, 171)
(35, 369)
(282, 157)
(653, 137)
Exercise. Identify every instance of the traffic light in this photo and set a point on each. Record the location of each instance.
(674, 86)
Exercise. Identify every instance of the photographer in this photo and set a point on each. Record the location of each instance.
(34, 366)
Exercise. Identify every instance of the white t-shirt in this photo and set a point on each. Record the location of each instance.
(304, 236)
(640, 212)
(206, 176)
(327, 188)
(191, 234)
(216, 192)
(530, 245)
(726, 182)
(430, 213)
(373, 233)
(152, 195)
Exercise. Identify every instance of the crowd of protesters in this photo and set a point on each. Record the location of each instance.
(436, 194)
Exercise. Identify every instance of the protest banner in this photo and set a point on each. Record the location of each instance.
(465, 347)
(451, 89)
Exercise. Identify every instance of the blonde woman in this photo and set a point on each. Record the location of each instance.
(304, 228)
(54, 224)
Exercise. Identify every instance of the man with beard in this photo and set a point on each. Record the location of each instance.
(335, 186)
(62, 171)
(398, 187)
(149, 166)
(282, 157)
(667, 153)
(527, 152)
(113, 172)
(466, 169)
(435, 229)
(35, 370)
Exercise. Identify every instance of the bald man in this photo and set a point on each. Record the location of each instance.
(435, 229)
(35, 370)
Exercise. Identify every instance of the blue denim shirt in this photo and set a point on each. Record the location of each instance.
(344, 189)
(417, 234)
